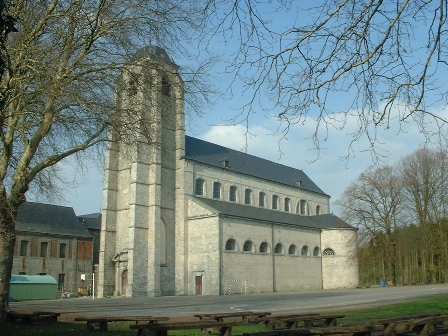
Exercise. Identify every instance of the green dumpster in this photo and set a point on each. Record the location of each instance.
(32, 287)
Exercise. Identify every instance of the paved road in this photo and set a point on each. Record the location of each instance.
(182, 306)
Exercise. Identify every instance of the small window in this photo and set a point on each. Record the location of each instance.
(62, 250)
(316, 252)
(248, 196)
(264, 247)
(166, 87)
(133, 84)
(43, 249)
(318, 210)
(303, 207)
(262, 199)
(230, 245)
(247, 247)
(278, 248)
(61, 281)
(305, 250)
(329, 252)
(24, 248)
(292, 249)
(216, 190)
(199, 187)
(232, 194)
(274, 202)
(287, 204)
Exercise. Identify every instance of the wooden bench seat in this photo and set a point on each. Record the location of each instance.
(207, 327)
(364, 330)
(37, 317)
(403, 324)
(246, 316)
(103, 321)
(292, 321)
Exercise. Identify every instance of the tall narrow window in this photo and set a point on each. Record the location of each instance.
(166, 87)
(302, 207)
(248, 196)
(305, 250)
(61, 281)
(62, 250)
(232, 194)
(199, 187)
(24, 248)
(43, 249)
(318, 210)
(274, 202)
(262, 199)
(216, 190)
(287, 204)
(316, 252)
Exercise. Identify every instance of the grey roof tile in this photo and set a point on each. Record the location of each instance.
(329, 221)
(51, 219)
(214, 155)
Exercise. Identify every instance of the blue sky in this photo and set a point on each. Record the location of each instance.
(330, 169)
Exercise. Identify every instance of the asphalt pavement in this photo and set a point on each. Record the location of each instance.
(184, 306)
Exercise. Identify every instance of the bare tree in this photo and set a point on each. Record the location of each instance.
(57, 91)
(376, 61)
(372, 202)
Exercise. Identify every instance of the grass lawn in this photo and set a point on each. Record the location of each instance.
(436, 303)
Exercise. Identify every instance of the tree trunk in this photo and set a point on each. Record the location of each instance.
(7, 242)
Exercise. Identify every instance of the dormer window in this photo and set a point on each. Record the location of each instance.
(299, 183)
(225, 163)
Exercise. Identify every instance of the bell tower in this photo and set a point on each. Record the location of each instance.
(143, 186)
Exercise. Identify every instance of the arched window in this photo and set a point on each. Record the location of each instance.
(278, 248)
(316, 252)
(274, 202)
(199, 187)
(264, 247)
(261, 199)
(232, 193)
(303, 207)
(318, 210)
(216, 190)
(247, 196)
(329, 252)
(230, 245)
(287, 204)
(247, 247)
(305, 250)
(292, 249)
(166, 87)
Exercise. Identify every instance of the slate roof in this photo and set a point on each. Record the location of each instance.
(51, 219)
(211, 154)
(92, 221)
(329, 221)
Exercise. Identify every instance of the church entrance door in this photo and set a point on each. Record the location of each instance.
(198, 284)
(124, 282)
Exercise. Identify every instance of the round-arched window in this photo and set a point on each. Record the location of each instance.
(292, 249)
(230, 245)
(316, 252)
(329, 252)
(264, 247)
(305, 250)
(278, 248)
(247, 247)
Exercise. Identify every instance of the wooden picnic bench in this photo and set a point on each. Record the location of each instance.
(309, 320)
(206, 327)
(37, 317)
(430, 325)
(102, 321)
(401, 324)
(364, 330)
(282, 321)
(246, 316)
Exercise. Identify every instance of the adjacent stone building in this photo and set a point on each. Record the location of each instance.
(51, 241)
(189, 217)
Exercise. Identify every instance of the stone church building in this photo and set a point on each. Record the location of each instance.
(189, 217)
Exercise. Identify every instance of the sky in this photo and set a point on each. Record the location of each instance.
(330, 168)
